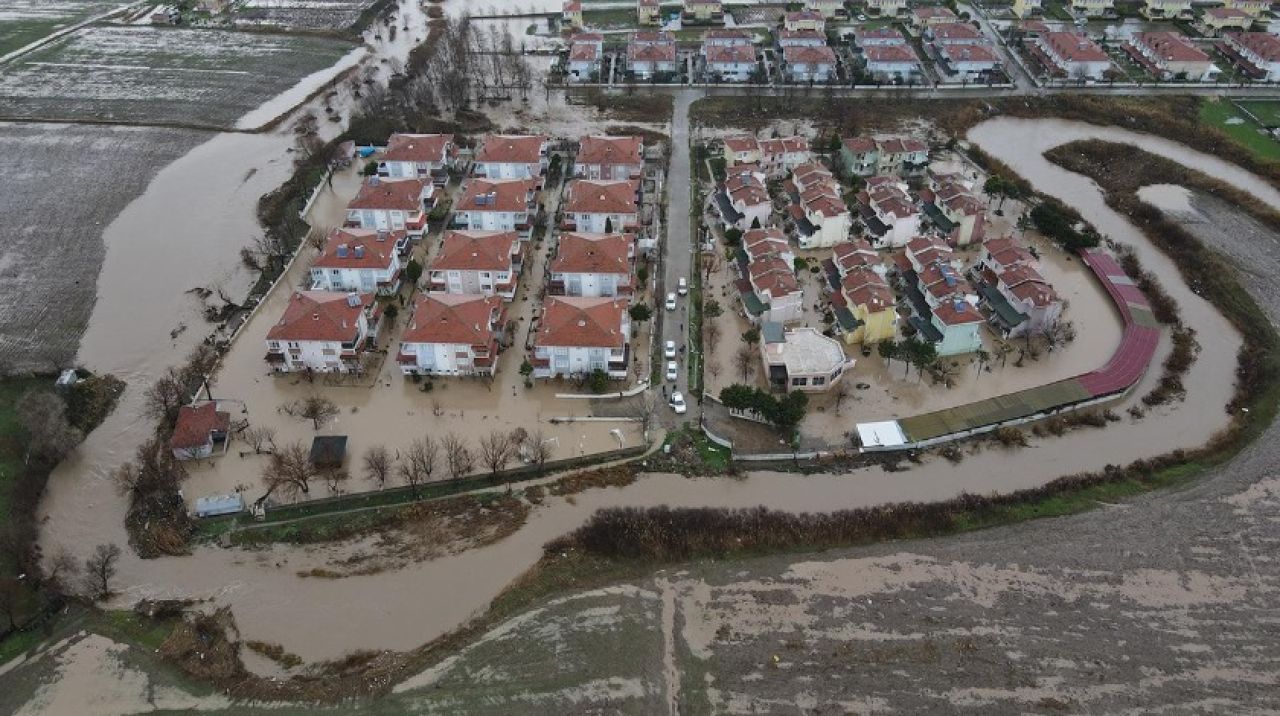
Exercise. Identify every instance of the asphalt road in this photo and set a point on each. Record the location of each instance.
(680, 243)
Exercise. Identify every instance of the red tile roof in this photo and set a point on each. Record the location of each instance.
(592, 253)
(583, 322)
(477, 251)
(320, 316)
(942, 280)
(1223, 13)
(651, 52)
(879, 33)
(805, 55)
(784, 145)
(1170, 46)
(511, 149)
(1074, 47)
(195, 423)
(956, 313)
(610, 150)
(803, 15)
(745, 187)
(460, 319)
(901, 145)
(855, 252)
(859, 145)
(931, 11)
(889, 53)
(586, 196)
(730, 53)
(726, 34)
(419, 148)
(376, 249)
(1006, 251)
(1262, 44)
(652, 37)
(969, 52)
(864, 287)
(772, 275)
(583, 51)
(390, 194)
(1027, 284)
(511, 195)
(955, 31)
(741, 143)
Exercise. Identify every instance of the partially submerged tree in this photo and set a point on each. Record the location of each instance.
(289, 472)
(744, 361)
(458, 455)
(496, 450)
(538, 449)
(378, 465)
(100, 569)
(420, 463)
(318, 409)
(261, 439)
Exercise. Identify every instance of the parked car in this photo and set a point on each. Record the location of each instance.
(683, 286)
(670, 349)
(671, 302)
(677, 403)
(672, 370)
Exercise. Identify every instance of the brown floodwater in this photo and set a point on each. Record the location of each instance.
(185, 231)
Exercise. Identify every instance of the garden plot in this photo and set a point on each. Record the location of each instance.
(22, 22)
(207, 78)
(56, 206)
(301, 14)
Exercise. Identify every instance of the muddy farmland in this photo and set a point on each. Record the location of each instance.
(150, 75)
(56, 207)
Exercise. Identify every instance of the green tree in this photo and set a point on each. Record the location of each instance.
(751, 336)
(640, 312)
(599, 381)
(888, 350)
(526, 368)
(642, 275)
(413, 271)
(732, 236)
(712, 309)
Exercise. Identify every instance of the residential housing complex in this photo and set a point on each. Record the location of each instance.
(323, 332)
(609, 158)
(496, 205)
(505, 156)
(818, 213)
(592, 265)
(871, 156)
(1170, 55)
(1072, 55)
(601, 207)
(452, 334)
(419, 156)
(801, 358)
(360, 260)
(579, 335)
(484, 263)
(392, 205)
(767, 285)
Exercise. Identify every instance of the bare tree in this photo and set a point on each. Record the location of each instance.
(458, 455)
(11, 595)
(163, 399)
(840, 393)
(538, 449)
(420, 463)
(100, 569)
(644, 409)
(335, 478)
(43, 417)
(261, 439)
(714, 368)
(378, 465)
(318, 409)
(290, 472)
(62, 571)
(496, 450)
(744, 361)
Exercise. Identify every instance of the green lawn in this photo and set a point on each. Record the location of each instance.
(1244, 131)
(615, 19)
(1266, 110)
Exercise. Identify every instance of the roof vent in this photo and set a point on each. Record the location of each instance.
(353, 299)
(359, 249)
(342, 251)
(383, 234)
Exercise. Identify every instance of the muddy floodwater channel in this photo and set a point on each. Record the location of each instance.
(186, 230)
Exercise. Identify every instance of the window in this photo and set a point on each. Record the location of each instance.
(819, 380)
(328, 351)
(273, 344)
(796, 382)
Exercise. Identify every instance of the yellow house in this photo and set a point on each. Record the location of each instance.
(870, 303)
(826, 7)
(1093, 8)
(1254, 8)
(887, 8)
(571, 17)
(648, 12)
(703, 10)
(1026, 8)
(1220, 19)
(1166, 9)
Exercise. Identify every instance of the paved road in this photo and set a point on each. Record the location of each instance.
(680, 241)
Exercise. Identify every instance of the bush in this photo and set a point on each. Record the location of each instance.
(1059, 223)
(599, 381)
(640, 312)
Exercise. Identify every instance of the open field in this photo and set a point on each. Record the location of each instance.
(56, 206)
(25, 21)
(1225, 116)
(301, 14)
(151, 75)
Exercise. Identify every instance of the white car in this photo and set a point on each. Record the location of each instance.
(670, 349)
(672, 370)
(682, 287)
(677, 403)
(671, 302)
